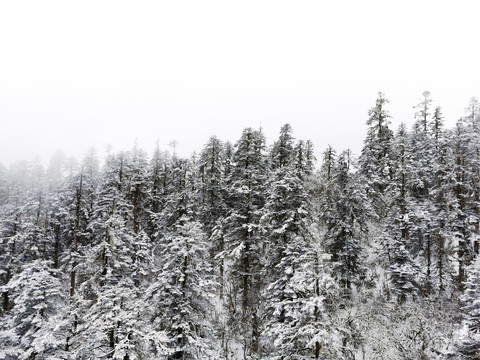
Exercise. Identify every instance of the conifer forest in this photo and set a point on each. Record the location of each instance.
(248, 251)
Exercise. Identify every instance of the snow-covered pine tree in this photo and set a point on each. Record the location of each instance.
(473, 119)
(304, 158)
(35, 326)
(324, 192)
(374, 161)
(212, 183)
(295, 321)
(243, 237)
(177, 305)
(441, 198)
(137, 191)
(25, 235)
(181, 292)
(282, 152)
(422, 148)
(112, 320)
(346, 221)
(404, 274)
(467, 346)
(74, 212)
(158, 173)
(285, 195)
(213, 161)
(461, 188)
(70, 217)
(10, 234)
(178, 194)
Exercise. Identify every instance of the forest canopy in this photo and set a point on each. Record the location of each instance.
(249, 251)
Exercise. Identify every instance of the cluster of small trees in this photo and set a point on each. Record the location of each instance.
(245, 252)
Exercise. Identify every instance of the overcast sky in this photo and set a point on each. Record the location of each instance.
(77, 74)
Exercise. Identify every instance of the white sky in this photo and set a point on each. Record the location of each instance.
(77, 74)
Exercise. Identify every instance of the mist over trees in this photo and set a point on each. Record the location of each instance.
(247, 251)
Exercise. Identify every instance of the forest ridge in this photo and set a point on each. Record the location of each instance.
(248, 252)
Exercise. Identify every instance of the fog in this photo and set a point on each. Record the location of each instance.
(75, 75)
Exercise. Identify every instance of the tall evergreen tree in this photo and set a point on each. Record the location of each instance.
(181, 292)
(34, 328)
(422, 148)
(295, 320)
(212, 182)
(399, 224)
(461, 189)
(243, 235)
(442, 200)
(375, 159)
(214, 209)
(346, 222)
(110, 321)
(282, 152)
(467, 346)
